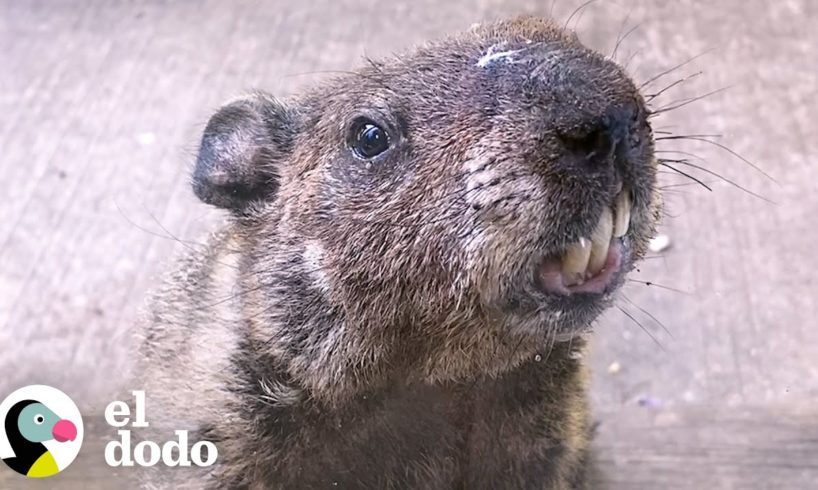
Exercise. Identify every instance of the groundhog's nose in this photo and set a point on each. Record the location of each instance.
(599, 141)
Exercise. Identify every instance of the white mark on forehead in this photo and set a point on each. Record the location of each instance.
(493, 54)
(314, 264)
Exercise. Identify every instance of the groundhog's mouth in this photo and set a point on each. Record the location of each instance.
(591, 264)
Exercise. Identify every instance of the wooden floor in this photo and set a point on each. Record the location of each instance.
(102, 103)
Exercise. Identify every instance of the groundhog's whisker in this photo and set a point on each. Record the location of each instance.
(642, 327)
(682, 152)
(168, 235)
(654, 257)
(678, 82)
(378, 68)
(660, 286)
(665, 164)
(721, 146)
(363, 75)
(685, 162)
(246, 291)
(151, 232)
(669, 135)
(630, 59)
(683, 102)
(668, 214)
(649, 315)
(639, 324)
(672, 69)
(620, 38)
(669, 187)
(576, 11)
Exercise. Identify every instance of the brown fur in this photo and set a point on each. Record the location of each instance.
(376, 324)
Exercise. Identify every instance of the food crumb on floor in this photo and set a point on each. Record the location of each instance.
(659, 243)
(614, 368)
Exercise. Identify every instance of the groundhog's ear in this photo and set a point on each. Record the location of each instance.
(242, 149)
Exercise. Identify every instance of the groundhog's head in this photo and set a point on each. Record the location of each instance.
(441, 214)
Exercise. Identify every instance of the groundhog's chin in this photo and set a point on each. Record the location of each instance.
(562, 318)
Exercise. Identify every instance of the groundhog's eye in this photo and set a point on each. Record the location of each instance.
(367, 139)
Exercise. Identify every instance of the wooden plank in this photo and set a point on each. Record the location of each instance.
(712, 447)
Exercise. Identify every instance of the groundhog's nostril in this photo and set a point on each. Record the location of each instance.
(598, 143)
(595, 146)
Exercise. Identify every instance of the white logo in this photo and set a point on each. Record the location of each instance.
(148, 453)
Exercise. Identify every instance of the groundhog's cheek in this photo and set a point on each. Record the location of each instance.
(315, 266)
(498, 253)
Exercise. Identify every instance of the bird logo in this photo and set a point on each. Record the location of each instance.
(42, 429)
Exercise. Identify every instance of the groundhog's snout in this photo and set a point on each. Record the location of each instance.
(604, 145)
(583, 112)
(590, 263)
(589, 105)
(583, 135)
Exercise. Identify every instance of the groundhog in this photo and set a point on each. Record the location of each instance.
(414, 256)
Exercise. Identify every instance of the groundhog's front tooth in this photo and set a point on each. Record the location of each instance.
(622, 220)
(575, 262)
(600, 240)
